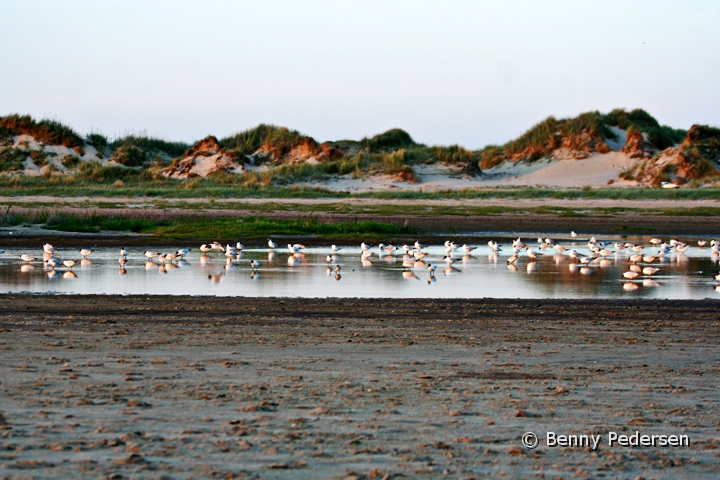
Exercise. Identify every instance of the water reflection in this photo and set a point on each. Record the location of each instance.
(317, 272)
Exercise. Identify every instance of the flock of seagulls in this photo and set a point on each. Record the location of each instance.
(642, 262)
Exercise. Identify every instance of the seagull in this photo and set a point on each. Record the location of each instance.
(573, 234)
(123, 252)
(418, 245)
(182, 252)
(229, 250)
(335, 248)
(85, 252)
(216, 246)
(449, 260)
(272, 244)
(239, 246)
(293, 248)
(701, 243)
(419, 255)
(656, 241)
(559, 248)
(574, 254)
(150, 255)
(389, 249)
(511, 260)
(364, 247)
(648, 259)
(467, 249)
(27, 258)
(669, 185)
(53, 262)
(649, 270)
(636, 258)
(204, 248)
(329, 259)
(48, 248)
(254, 264)
(518, 244)
(431, 268)
(69, 263)
(532, 254)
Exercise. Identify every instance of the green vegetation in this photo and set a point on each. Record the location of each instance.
(148, 145)
(198, 227)
(586, 132)
(249, 141)
(661, 136)
(48, 131)
(261, 227)
(95, 180)
(12, 159)
(97, 140)
(393, 139)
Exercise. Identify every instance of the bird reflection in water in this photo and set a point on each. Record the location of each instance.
(53, 274)
(122, 271)
(85, 263)
(217, 277)
(26, 268)
(69, 275)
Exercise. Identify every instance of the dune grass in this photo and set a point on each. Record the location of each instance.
(248, 141)
(46, 130)
(661, 136)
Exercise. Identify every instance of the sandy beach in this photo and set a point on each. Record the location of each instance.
(178, 387)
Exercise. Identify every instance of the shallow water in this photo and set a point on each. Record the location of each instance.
(481, 274)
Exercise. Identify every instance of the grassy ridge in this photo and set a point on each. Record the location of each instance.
(100, 182)
(162, 225)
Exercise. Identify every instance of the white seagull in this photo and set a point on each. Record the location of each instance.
(69, 264)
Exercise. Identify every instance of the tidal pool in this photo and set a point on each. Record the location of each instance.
(688, 275)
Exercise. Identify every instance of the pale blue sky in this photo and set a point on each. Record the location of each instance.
(467, 72)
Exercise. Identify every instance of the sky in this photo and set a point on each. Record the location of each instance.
(449, 72)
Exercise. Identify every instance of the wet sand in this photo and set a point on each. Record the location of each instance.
(178, 387)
